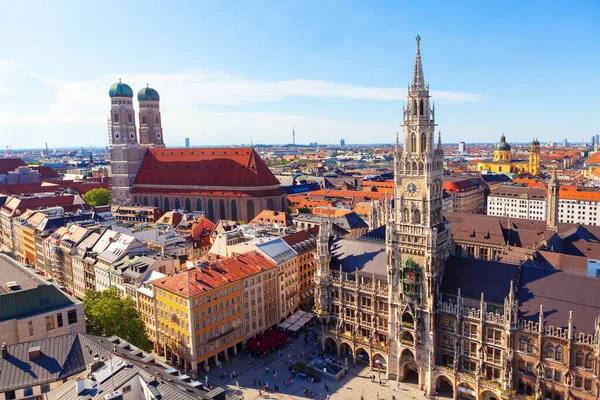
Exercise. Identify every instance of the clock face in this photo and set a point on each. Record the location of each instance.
(117, 135)
(132, 135)
(412, 188)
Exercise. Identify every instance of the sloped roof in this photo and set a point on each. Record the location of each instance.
(32, 301)
(474, 276)
(368, 256)
(10, 164)
(222, 168)
(559, 293)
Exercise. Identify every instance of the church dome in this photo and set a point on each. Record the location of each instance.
(502, 145)
(120, 89)
(148, 94)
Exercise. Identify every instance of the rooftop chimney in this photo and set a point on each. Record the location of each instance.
(35, 353)
(79, 385)
(4, 350)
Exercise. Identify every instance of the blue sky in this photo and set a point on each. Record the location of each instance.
(231, 71)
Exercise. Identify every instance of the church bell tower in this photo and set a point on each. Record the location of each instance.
(125, 152)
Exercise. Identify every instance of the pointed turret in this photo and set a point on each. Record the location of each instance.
(418, 82)
(553, 190)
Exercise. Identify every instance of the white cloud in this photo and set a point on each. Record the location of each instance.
(74, 112)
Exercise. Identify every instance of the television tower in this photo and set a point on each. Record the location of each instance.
(293, 135)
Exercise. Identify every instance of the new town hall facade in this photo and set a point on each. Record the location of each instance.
(403, 300)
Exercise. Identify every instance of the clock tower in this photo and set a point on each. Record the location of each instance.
(420, 235)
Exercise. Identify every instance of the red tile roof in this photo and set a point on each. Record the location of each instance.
(195, 281)
(10, 164)
(238, 170)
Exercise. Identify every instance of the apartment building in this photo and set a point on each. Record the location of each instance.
(199, 317)
(518, 202)
(23, 316)
(467, 192)
(284, 256)
(304, 244)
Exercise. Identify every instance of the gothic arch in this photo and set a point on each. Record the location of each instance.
(415, 170)
(146, 203)
(199, 205)
(156, 202)
(423, 142)
(250, 210)
(413, 142)
(414, 107)
(421, 169)
(416, 216)
(363, 355)
(211, 210)
(408, 338)
(188, 205)
(234, 216)
(270, 204)
(177, 204)
(421, 108)
(222, 209)
(405, 216)
(167, 208)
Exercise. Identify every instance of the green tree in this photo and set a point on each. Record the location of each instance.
(97, 197)
(107, 314)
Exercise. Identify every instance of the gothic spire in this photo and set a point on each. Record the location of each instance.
(418, 82)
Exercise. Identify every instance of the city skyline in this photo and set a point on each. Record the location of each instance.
(228, 77)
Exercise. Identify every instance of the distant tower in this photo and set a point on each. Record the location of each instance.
(125, 151)
(151, 133)
(553, 197)
(187, 142)
(293, 135)
(461, 147)
(534, 157)
(565, 142)
(342, 143)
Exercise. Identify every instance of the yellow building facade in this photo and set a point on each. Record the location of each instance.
(504, 163)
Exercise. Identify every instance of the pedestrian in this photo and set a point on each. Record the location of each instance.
(237, 384)
(380, 381)
(377, 395)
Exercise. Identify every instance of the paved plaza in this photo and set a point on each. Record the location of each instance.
(355, 384)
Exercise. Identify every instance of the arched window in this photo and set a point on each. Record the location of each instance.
(156, 202)
(588, 360)
(177, 204)
(423, 142)
(421, 108)
(416, 216)
(530, 346)
(167, 208)
(413, 142)
(522, 344)
(405, 218)
(156, 119)
(188, 205)
(211, 211)
(116, 117)
(199, 205)
(144, 120)
(233, 211)
(559, 354)
(270, 204)
(550, 350)
(129, 119)
(414, 107)
(145, 201)
(579, 359)
(222, 209)
(250, 210)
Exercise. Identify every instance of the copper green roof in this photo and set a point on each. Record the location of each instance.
(148, 94)
(34, 301)
(120, 89)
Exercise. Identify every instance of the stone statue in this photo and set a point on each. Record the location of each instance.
(539, 370)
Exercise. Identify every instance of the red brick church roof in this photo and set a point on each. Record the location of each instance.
(218, 169)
